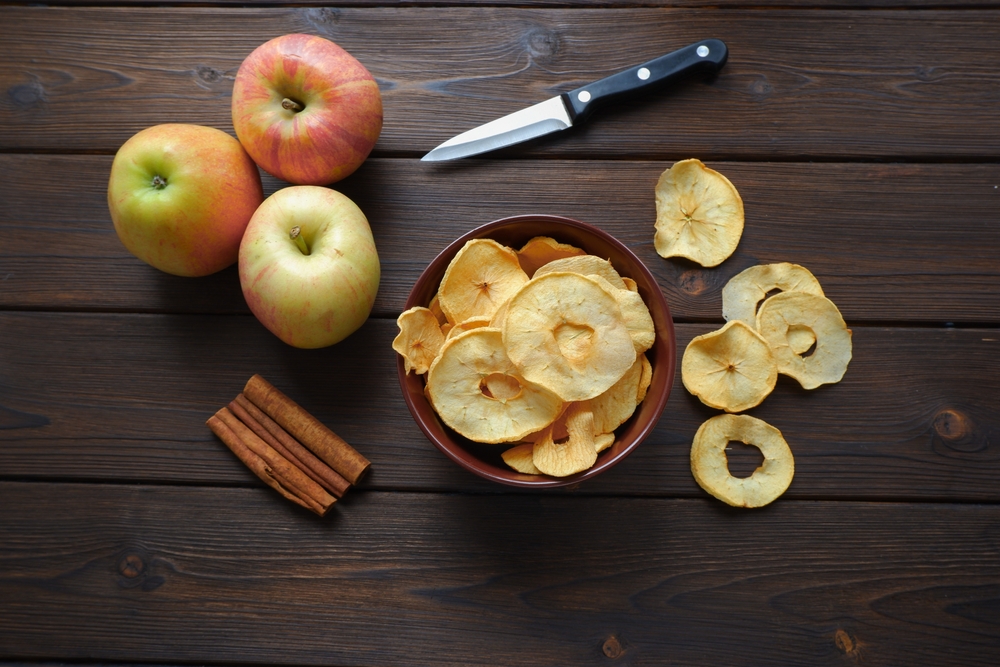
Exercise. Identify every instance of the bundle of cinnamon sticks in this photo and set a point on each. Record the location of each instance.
(288, 448)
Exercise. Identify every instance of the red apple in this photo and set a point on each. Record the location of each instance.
(308, 266)
(306, 110)
(180, 197)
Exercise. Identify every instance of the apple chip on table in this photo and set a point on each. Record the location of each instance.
(542, 348)
(796, 332)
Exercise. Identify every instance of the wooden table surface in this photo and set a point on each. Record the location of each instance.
(864, 139)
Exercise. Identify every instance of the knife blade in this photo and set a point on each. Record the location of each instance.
(567, 109)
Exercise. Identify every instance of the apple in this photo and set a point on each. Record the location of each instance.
(306, 110)
(308, 266)
(180, 197)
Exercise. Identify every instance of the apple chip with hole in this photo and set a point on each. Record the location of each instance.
(481, 277)
(782, 318)
(699, 214)
(576, 454)
(745, 290)
(565, 332)
(478, 392)
(543, 249)
(419, 339)
(731, 369)
(710, 466)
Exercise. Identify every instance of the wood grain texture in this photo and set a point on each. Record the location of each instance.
(815, 84)
(621, 4)
(125, 397)
(889, 242)
(216, 575)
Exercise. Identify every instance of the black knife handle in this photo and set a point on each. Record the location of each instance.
(708, 55)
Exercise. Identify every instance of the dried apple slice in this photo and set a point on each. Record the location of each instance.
(791, 311)
(617, 404)
(699, 214)
(585, 265)
(731, 369)
(478, 392)
(520, 459)
(565, 332)
(481, 277)
(419, 339)
(578, 453)
(745, 290)
(543, 249)
(711, 468)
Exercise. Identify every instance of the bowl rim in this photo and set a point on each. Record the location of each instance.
(663, 373)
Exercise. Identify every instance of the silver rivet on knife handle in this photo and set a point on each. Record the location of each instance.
(643, 73)
(702, 51)
(583, 96)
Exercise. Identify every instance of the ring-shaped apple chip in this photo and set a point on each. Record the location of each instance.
(576, 454)
(699, 214)
(565, 332)
(789, 311)
(419, 339)
(710, 466)
(478, 392)
(745, 290)
(543, 249)
(481, 277)
(730, 369)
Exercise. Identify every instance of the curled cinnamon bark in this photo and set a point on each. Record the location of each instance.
(308, 430)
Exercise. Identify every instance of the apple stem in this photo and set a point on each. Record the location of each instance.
(291, 105)
(296, 235)
(159, 182)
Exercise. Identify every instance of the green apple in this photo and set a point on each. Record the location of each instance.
(181, 196)
(309, 268)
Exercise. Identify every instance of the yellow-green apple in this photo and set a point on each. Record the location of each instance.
(308, 266)
(306, 110)
(181, 196)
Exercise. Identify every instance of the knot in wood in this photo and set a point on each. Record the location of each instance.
(26, 95)
(844, 642)
(541, 42)
(951, 425)
(131, 565)
(208, 74)
(692, 282)
(612, 647)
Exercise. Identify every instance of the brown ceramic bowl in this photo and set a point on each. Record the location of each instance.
(483, 459)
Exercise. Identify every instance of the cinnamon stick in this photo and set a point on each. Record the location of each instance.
(288, 474)
(257, 464)
(308, 430)
(272, 433)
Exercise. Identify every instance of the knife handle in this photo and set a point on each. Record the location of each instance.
(708, 55)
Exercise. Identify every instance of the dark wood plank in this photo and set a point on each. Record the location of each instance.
(125, 397)
(905, 243)
(215, 575)
(816, 84)
(851, 4)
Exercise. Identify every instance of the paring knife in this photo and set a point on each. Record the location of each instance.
(562, 111)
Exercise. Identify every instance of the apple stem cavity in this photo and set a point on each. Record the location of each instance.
(296, 235)
(291, 105)
(159, 182)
